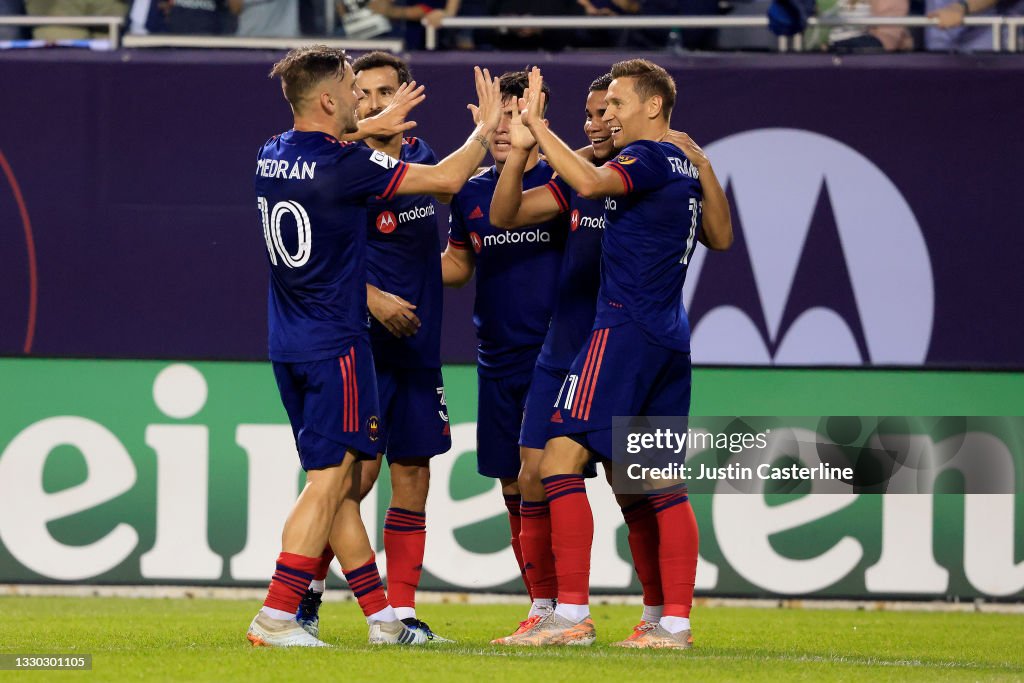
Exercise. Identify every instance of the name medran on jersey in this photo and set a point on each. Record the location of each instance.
(280, 168)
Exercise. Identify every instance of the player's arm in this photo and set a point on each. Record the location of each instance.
(448, 176)
(513, 208)
(716, 221)
(391, 121)
(393, 312)
(457, 265)
(510, 206)
(590, 181)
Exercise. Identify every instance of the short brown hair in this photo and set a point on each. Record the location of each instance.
(649, 80)
(514, 83)
(600, 83)
(379, 59)
(304, 67)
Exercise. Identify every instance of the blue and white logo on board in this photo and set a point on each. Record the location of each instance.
(829, 264)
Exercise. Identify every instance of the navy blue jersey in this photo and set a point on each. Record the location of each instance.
(579, 278)
(402, 250)
(311, 191)
(650, 233)
(516, 274)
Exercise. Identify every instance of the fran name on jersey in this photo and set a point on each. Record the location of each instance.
(286, 170)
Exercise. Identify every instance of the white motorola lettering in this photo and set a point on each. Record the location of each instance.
(517, 237)
(416, 212)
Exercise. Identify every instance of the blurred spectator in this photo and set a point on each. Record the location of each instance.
(73, 8)
(951, 34)
(534, 38)
(409, 15)
(266, 18)
(859, 38)
(10, 8)
(358, 21)
(180, 17)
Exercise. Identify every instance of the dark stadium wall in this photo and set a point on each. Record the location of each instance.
(867, 234)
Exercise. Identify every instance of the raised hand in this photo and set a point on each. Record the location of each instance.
(519, 135)
(688, 147)
(392, 121)
(533, 108)
(488, 94)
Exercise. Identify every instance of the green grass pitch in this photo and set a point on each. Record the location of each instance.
(204, 640)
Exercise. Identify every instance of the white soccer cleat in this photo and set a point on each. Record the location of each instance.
(267, 632)
(395, 633)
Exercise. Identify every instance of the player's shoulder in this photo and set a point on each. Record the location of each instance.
(645, 150)
(417, 151)
(485, 179)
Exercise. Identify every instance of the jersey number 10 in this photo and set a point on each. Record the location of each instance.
(272, 232)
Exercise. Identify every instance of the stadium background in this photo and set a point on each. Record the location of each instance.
(876, 233)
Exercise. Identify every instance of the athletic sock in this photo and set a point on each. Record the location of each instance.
(276, 613)
(678, 542)
(405, 534)
(368, 589)
(326, 557)
(512, 502)
(405, 612)
(289, 583)
(574, 613)
(675, 624)
(541, 606)
(384, 615)
(535, 541)
(652, 613)
(572, 535)
(643, 546)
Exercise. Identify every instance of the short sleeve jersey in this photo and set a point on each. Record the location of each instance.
(650, 233)
(516, 274)
(311, 192)
(579, 278)
(402, 251)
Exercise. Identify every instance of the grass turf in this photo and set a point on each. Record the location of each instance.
(204, 640)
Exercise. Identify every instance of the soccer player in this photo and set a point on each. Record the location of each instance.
(571, 322)
(311, 193)
(404, 296)
(516, 277)
(637, 359)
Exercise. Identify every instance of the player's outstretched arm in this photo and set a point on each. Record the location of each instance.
(448, 176)
(590, 181)
(513, 208)
(510, 206)
(457, 266)
(391, 121)
(393, 312)
(716, 221)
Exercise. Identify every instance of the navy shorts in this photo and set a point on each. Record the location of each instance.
(499, 420)
(414, 413)
(332, 406)
(619, 372)
(540, 405)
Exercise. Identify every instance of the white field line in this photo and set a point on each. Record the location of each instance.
(442, 597)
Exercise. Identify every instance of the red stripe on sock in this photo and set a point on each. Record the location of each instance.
(515, 523)
(285, 591)
(405, 560)
(375, 600)
(678, 542)
(643, 546)
(325, 564)
(538, 558)
(572, 536)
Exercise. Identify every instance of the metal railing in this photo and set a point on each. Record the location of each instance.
(996, 25)
(114, 25)
(241, 42)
